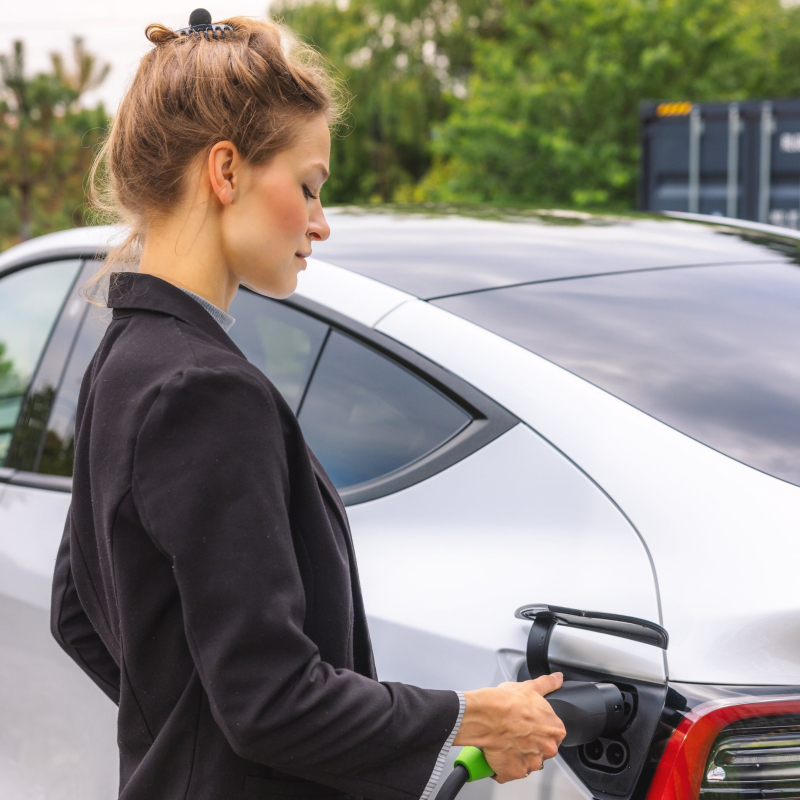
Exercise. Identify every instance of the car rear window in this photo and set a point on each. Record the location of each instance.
(712, 351)
(366, 416)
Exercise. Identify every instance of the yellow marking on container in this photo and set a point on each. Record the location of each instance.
(673, 109)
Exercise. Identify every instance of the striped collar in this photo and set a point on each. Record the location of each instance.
(222, 317)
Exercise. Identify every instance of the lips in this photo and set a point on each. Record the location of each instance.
(303, 255)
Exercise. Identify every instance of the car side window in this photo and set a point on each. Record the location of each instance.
(366, 416)
(30, 302)
(58, 451)
(363, 415)
(282, 342)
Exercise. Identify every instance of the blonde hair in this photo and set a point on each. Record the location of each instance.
(190, 92)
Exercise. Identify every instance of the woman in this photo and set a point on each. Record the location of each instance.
(206, 579)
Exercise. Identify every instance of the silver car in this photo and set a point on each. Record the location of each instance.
(558, 412)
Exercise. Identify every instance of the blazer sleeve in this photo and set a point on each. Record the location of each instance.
(211, 482)
(71, 626)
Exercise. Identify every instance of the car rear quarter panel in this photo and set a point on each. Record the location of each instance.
(514, 523)
(723, 536)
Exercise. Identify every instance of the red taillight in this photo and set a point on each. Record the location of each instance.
(679, 774)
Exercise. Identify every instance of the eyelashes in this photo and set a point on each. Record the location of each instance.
(309, 194)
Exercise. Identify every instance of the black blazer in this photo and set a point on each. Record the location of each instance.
(207, 582)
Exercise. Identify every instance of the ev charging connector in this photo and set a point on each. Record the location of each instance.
(588, 710)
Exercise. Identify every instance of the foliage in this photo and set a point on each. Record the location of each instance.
(10, 381)
(535, 101)
(401, 61)
(552, 110)
(46, 141)
(517, 102)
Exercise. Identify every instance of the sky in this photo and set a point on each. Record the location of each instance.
(113, 30)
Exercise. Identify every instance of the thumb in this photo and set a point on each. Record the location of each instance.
(547, 683)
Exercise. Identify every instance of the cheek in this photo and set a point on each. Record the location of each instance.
(285, 207)
(264, 232)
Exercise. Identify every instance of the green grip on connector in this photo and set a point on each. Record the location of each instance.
(475, 763)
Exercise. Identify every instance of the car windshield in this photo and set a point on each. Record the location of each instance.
(712, 351)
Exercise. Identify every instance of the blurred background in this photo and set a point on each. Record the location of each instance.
(516, 103)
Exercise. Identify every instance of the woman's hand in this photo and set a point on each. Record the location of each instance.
(514, 726)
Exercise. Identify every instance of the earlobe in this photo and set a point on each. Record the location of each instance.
(225, 193)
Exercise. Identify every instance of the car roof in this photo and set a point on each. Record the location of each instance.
(75, 242)
(434, 255)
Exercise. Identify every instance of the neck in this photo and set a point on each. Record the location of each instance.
(186, 250)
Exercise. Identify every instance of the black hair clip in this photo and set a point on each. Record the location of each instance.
(200, 25)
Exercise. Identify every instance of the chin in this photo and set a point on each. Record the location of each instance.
(284, 293)
(288, 286)
(274, 289)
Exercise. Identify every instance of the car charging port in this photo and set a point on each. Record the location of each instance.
(609, 725)
(628, 707)
(608, 755)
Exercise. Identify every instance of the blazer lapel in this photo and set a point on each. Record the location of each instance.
(137, 290)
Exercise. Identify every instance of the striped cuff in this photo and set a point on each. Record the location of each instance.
(439, 766)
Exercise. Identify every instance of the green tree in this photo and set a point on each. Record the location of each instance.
(551, 113)
(10, 381)
(46, 141)
(86, 72)
(530, 101)
(402, 61)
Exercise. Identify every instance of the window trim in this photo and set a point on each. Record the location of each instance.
(489, 419)
(68, 254)
(48, 256)
(35, 480)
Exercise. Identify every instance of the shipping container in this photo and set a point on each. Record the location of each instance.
(734, 159)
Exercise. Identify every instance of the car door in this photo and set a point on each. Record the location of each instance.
(57, 736)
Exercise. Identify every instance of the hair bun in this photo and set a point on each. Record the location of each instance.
(160, 34)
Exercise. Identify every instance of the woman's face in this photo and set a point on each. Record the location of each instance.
(276, 216)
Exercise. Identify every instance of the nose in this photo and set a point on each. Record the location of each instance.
(318, 228)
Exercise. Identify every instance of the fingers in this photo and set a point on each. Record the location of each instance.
(534, 765)
(556, 732)
(547, 683)
(519, 770)
(551, 744)
(514, 725)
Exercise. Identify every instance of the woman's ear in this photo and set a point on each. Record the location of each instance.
(224, 162)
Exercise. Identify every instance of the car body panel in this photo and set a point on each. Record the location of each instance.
(62, 244)
(361, 299)
(723, 536)
(514, 523)
(58, 737)
(31, 524)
